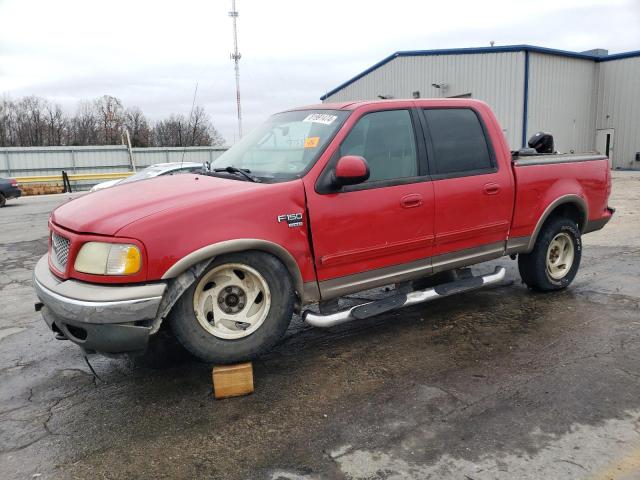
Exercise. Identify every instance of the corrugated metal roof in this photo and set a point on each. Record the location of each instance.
(466, 51)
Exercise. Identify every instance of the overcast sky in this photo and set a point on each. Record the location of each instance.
(151, 53)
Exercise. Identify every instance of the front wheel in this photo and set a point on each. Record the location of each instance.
(238, 308)
(553, 263)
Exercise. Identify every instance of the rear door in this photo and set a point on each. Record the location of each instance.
(375, 232)
(473, 193)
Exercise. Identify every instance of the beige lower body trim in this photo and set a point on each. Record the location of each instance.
(338, 287)
(310, 293)
(469, 256)
(518, 245)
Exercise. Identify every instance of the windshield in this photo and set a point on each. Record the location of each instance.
(286, 145)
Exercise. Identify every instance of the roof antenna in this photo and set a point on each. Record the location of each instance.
(193, 104)
(492, 43)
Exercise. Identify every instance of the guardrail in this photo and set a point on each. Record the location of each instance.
(73, 177)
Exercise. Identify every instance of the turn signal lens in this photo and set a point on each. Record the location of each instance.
(100, 258)
(123, 260)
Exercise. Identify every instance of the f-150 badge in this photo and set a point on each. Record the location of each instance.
(292, 219)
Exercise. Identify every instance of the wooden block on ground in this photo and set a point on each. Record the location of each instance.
(232, 380)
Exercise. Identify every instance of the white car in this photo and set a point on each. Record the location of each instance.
(172, 168)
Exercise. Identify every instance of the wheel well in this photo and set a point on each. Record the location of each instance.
(572, 208)
(232, 246)
(180, 282)
(571, 211)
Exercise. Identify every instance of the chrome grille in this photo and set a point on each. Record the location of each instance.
(59, 251)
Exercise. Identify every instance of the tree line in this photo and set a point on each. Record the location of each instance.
(35, 121)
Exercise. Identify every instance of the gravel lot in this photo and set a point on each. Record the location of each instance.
(495, 384)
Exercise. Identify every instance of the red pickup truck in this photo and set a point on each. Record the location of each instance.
(317, 203)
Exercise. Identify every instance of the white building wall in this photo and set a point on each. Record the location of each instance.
(562, 100)
(619, 108)
(496, 78)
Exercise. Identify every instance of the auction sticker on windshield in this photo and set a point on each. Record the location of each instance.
(323, 118)
(311, 142)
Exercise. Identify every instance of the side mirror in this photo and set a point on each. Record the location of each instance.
(351, 170)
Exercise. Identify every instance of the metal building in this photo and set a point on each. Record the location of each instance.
(588, 101)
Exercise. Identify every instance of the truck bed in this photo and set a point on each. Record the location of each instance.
(543, 179)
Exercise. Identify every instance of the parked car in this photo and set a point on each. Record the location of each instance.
(157, 170)
(8, 189)
(318, 203)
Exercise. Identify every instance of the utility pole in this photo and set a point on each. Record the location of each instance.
(235, 56)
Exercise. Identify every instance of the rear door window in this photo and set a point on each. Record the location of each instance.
(459, 143)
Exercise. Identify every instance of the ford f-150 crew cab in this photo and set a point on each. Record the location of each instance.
(317, 203)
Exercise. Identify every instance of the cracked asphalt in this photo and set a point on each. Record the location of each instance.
(499, 383)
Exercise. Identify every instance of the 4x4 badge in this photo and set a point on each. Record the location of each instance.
(292, 219)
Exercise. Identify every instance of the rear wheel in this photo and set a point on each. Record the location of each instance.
(238, 308)
(553, 263)
(3, 200)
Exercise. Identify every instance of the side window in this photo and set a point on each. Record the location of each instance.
(459, 143)
(386, 141)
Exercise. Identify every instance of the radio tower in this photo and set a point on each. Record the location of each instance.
(235, 56)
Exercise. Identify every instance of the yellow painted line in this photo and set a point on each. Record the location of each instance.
(73, 176)
(625, 468)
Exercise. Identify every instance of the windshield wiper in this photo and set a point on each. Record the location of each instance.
(239, 171)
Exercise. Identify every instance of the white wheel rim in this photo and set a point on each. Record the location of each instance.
(232, 301)
(560, 255)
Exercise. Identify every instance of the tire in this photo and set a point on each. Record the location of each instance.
(554, 261)
(254, 300)
(3, 200)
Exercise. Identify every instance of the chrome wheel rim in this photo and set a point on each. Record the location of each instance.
(560, 255)
(232, 301)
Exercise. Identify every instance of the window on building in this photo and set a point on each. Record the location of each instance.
(459, 143)
(386, 141)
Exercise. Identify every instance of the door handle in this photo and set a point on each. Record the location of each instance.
(411, 200)
(491, 188)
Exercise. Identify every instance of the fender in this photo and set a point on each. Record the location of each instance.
(240, 245)
(573, 199)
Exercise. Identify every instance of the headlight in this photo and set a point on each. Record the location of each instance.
(99, 258)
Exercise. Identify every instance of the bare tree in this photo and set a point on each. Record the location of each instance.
(202, 131)
(110, 119)
(57, 125)
(177, 131)
(35, 121)
(138, 126)
(170, 132)
(30, 121)
(84, 125)
(7, 123)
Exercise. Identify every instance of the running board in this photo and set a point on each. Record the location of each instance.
(366, 310)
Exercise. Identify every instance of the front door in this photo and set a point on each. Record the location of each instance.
(604, 143)
(376, 232)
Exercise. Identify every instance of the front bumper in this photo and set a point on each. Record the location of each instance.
(102, 318)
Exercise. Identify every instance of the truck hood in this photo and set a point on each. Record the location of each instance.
(107, 211)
